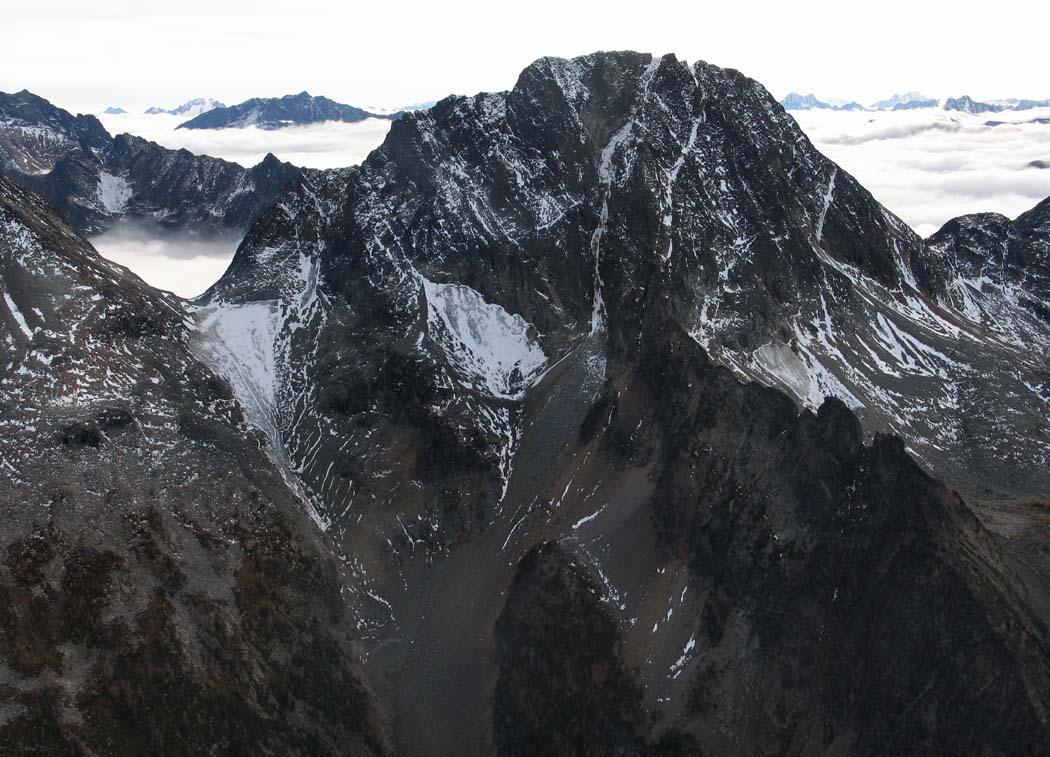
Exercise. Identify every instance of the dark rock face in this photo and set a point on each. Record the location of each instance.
(34, 134)
(787, 532)
(182, 190)
(563, 687)
(777, 262)
(544, 316)
(1002, 272)
(833, 586)
(161, 588)
(96, 180)
(277, 113)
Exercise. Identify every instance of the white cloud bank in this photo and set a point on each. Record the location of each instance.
(325, 145)
(178, 263)
(929, 166)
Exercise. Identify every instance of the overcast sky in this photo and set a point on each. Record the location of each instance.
(87, 55)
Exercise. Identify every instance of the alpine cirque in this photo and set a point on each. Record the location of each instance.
(599, 416)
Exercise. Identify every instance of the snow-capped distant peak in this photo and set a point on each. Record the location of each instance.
(189, 109)
(795, 101)
(907, 101)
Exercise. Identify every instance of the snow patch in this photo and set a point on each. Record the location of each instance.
(586, 519)
(803, 374)
(238, 341)
(113, 192)
(828, 195)
(490, 346)
(681, 661)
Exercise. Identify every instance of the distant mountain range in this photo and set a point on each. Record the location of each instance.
(913, 101)
(795, 101)
(189, 109)
(380, 110)
(273, 112)
(279, 112)
(907, 101)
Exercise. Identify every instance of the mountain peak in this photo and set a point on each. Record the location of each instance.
(278, 112)
(193, 107)
(967, 104)
(795, 101)
(609, 307)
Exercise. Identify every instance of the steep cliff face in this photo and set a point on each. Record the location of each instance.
(97, 181)
(162, 589)
(543, 317)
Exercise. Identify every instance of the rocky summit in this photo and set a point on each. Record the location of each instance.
(603, 415)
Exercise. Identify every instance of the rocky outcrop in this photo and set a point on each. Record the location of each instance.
(34, 135)
(1000, 272)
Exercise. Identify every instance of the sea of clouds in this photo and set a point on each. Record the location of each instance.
(331, 144)
(930, 165)
(927, 166)
(176, 262)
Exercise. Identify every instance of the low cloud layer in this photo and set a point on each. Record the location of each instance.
(325, 145)
(178, 263)
(929, 166)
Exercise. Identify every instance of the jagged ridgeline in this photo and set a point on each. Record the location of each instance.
(622, 416)
(98, 181)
